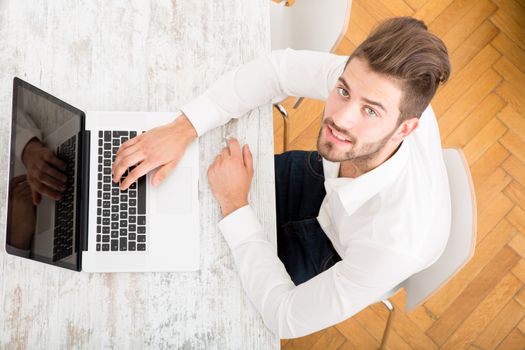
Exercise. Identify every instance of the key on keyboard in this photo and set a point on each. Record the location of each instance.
(65, 208)
(126, 210)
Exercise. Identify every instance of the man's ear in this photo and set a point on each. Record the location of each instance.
(405, 129)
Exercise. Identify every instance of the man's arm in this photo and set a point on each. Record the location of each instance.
(44, 169)
(365, 274)
(267, 79)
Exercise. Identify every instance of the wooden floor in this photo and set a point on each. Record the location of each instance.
(481, 110)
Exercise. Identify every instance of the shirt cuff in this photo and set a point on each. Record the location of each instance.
(239, 226)
(204, 115)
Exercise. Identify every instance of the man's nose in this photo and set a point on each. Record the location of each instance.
(347, 116)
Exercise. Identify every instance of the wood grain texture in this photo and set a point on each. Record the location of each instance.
(465, 78)
(472, 295)
(515, 168)
(479, 38)
(488, 163)
(136, 56)
(486, 250)
(514, 340)
(484, 312)
(519, 270)
(472, 19)
(500, 326)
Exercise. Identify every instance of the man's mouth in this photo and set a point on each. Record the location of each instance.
(334, 135)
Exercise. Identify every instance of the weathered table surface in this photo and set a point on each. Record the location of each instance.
(135, 56)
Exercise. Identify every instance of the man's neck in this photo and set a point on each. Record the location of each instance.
(359, 166)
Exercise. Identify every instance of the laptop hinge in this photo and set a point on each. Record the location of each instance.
(84, 190)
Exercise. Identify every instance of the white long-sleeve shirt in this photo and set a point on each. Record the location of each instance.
(386, 224)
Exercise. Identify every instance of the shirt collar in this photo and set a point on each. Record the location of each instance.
(353, 193)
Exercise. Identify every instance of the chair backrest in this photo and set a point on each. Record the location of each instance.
(309, 24)
(462, 239)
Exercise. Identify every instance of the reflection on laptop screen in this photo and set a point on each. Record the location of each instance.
(42, 221)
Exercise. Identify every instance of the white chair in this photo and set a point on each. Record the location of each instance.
(460, 246)
(316, 25)
(309, 24)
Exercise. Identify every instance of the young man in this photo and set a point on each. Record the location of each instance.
(354, 219)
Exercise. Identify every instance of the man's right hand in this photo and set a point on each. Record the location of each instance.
(44, 171)
(161, 147)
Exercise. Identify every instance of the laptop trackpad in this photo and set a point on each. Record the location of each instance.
(174, 193)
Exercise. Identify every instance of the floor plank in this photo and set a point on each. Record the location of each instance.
(376, 9)
(484, 139)
(485, 193)
(513, 120)
(357, 337)
(507, 47)
(518, 244)
(519, 270)
(406, 328)
(507, 25)
(473, 294)
(398, 7)
(431, 10)
(501, 325)
(463, 79)
(476, 93)
(416, 4)
(330, 339)
(514, 144)
(517, 218)
(490, 246)
(521, 326)
(480, 170)
(520, 297)
(478, 40)
(515, 168)
(375, 325)
(515, 340)
(450, 16)
(516, 192)
(491, 217)
(468, 23)
(513, 88)
(474, 122)
(482, 315)
(511, 8)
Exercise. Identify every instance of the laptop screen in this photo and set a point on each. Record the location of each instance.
(43, 193)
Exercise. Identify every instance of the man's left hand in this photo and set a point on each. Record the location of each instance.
(230, 176)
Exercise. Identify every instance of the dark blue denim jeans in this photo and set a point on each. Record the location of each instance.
(302, 245)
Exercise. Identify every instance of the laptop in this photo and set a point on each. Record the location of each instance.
(95, 226)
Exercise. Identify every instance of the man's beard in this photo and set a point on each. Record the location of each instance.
(360, 155)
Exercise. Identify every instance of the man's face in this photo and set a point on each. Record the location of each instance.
(360, 115)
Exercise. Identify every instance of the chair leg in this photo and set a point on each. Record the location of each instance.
(298, 102)
(284, 114)
(386, 333)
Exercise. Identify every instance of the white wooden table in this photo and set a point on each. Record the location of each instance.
(135, 56)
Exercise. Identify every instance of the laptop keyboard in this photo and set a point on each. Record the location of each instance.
(121, 215)
(64, 208)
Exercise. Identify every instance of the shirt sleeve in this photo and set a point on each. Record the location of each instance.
(360, 279)
(267, 79)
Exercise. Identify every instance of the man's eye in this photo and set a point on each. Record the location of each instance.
(343, 92)
(370, 112)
